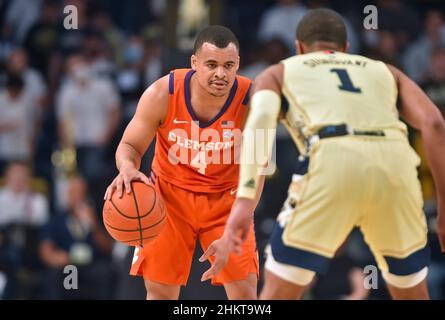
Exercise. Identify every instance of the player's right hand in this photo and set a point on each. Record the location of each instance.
(123, 181)
(239, 222)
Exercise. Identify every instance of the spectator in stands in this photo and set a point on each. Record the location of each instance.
(22, 214)
(416, 59)
(386, 48)
(281, 21)
(400, 19)
(17, 122)
(98, 55)
(20, 16)
(34, 84)
(41, 40)
(88, 115)
(75, 238)
(18, 202)
(113, 36)
(130, 77)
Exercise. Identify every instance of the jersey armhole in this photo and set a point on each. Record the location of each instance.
(246, 99)
(284, 106)
(171, 91)
(171, 83)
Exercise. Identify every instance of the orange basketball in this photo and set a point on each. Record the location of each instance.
(136, 218)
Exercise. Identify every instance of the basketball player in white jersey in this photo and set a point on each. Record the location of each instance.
(343, 115)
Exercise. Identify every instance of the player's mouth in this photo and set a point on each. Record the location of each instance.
(219, 84)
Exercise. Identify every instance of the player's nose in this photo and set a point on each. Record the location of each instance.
(220, 73)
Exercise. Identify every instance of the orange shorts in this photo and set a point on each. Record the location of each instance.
(191, 216)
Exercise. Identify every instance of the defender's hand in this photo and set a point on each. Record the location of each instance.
(239, 222)
(123, 180)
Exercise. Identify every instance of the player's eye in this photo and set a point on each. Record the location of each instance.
(229, 66)
(211, 65)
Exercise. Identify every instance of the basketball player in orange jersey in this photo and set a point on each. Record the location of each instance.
(196, 115)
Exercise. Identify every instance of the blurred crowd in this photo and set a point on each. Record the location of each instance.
(66, 95)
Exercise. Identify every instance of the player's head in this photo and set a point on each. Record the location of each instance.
(321, 29)
(216, 59)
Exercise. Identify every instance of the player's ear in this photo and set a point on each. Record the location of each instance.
(299, 47)
(193, 61)
(346, 46)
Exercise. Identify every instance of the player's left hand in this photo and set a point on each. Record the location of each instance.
(236, 232)
(221, 250)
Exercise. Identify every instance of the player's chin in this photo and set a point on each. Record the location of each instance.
(218, 91)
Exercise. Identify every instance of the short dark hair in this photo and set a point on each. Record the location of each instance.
(322, 25)
(218, 35)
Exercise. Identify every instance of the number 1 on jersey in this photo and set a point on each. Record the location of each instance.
(346, 83)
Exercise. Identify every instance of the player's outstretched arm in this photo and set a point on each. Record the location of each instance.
(421, 113)
(138, 135)
(263, 114)
(264, 110)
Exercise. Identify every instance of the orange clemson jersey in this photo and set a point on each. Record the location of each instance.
(195, 155)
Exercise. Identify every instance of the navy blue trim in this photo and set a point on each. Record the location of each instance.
(188, 101)
(413, 263)
(296, 257)
(302, 166)
(247, 96)
(284, 105)
(171, 83)
(153, 177)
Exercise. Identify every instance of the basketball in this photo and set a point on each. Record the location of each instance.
(137, 218)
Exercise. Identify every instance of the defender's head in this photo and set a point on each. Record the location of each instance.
(321, 29)
(216, 59)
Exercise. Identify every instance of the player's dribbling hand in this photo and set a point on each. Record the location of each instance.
(123, 181)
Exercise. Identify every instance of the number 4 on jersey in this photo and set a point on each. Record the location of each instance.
(346, 83)
(199, 161)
